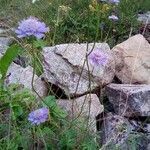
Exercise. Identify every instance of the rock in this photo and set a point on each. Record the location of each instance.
(132, 60)
(4, 44)
(18, 75)
(23, 76)
(5, 38)
(117, 132)
(86, 107)
(64, 67)
(144, 18)
(145, 31)
(129, 100)
(140, 125)
(5, 31)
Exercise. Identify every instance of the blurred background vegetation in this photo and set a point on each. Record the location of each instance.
(79, 20)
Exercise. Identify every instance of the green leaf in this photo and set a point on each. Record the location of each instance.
(50, 101)
(18, 110)
(8, 58)
(39, 43)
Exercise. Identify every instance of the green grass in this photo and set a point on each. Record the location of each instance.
(74, 21)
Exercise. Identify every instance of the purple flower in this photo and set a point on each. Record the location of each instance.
(31, 27)
(97, 58)
(113, 18)
(38, 116)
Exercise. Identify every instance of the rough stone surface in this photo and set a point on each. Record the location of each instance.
(4, 44)
(87, 107)
(145, 31)
(4, 31)
(19, 75)
(115, 130)
(23, 76)
(129, 100)
(132, 60)
(144, 18)
(64, 67)
(118, 131)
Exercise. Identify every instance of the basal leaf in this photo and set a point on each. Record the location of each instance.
(8, 58)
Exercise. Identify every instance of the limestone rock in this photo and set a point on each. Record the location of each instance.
(132, 60)
(4, 44)
(23, 76)
(64, 66)
(129, 100)
(119, 133)
(17, 74)
(144, 18)
(115, 131)
(87, 107)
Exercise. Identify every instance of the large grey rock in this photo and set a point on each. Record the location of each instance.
(118, 132)
(129, 100)
(5, 31)
(64, 66)
(23, 76)
(132, 60)
(115, 131)
(4, 44)
(18, 75)
(86, 107)
(144, 18)
(5, 38)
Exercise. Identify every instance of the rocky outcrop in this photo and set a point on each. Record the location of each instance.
(23, 76)
(18, 75)
(66, 66)
(87, 108)
(118, 132)
(5, 39)
(129, 100)
(144, 18)
(4, 44)
(132, 60)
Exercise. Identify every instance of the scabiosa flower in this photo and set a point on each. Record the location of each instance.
(31, 27)
(38, 116)
(113, 18)
(98, 58)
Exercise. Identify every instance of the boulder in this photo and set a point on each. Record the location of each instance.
(144, 18)
(118, 132)
(23, 76)
(132, 60)
(129, 100)
(87, 107)
(65, 65)
(18, 75)
(4, 44)
(145, 31)
(115, 131)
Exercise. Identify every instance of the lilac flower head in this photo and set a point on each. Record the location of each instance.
(38, 116)
(113, 18)
(31, 27)
(98, 58)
